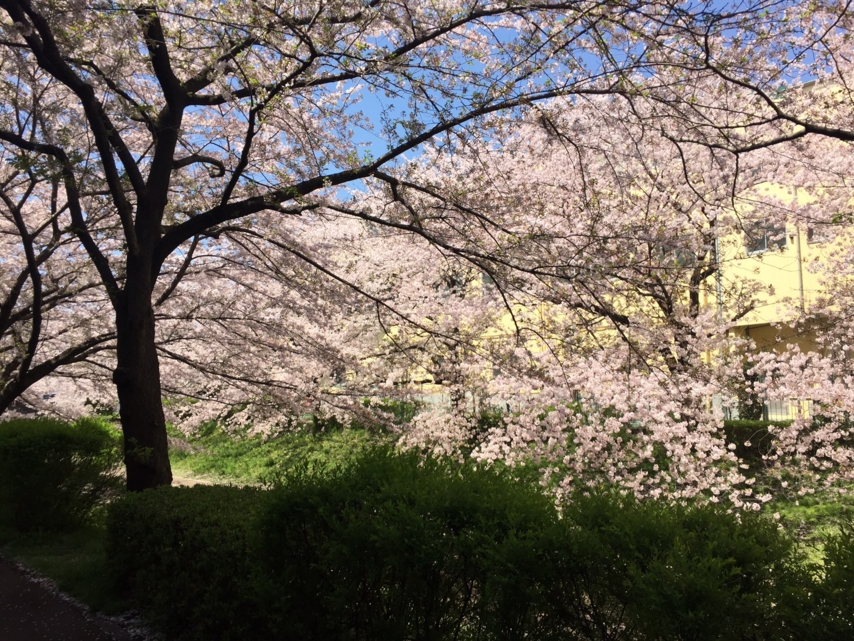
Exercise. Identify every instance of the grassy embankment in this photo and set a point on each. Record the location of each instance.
(214, 456)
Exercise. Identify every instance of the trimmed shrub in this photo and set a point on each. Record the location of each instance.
(53, 474)
(401, 547)
(185, 556)
(739, 432)
(626, 569)
(395, 546)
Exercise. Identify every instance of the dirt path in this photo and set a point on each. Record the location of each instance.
(32, 610)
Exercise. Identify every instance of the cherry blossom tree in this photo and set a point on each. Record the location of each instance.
(602, 240)
(50, 293)
(614, 240)
(182, 121)
(300, 302)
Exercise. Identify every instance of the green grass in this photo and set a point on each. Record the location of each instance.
(222, 457)
(75, 561)
(813, 518)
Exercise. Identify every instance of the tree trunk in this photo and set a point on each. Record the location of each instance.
(8, 395)
(137, 379)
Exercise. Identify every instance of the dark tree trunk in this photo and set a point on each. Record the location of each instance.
(137, 379)
(8, 395)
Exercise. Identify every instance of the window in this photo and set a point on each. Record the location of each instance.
(819, 234)
(764, 236)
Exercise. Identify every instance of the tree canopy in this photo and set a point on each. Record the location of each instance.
(190, 163)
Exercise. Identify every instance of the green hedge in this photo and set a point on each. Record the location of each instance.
(53, 474)
(402, 547)
(647, 570)
(739, 432)
(185, 556)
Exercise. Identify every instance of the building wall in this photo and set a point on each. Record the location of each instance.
(789, 283)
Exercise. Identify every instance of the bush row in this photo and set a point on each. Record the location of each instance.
(185, 556)
(53, 474)
(400, 547)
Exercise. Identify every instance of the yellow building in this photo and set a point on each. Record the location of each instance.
(784, 263)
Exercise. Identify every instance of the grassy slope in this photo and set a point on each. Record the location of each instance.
(811, 519)
(221, 457)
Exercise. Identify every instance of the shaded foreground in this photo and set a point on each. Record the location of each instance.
(353, 540)
(404, 547)
(31, 611)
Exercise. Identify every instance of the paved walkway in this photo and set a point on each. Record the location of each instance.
(31, 611)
